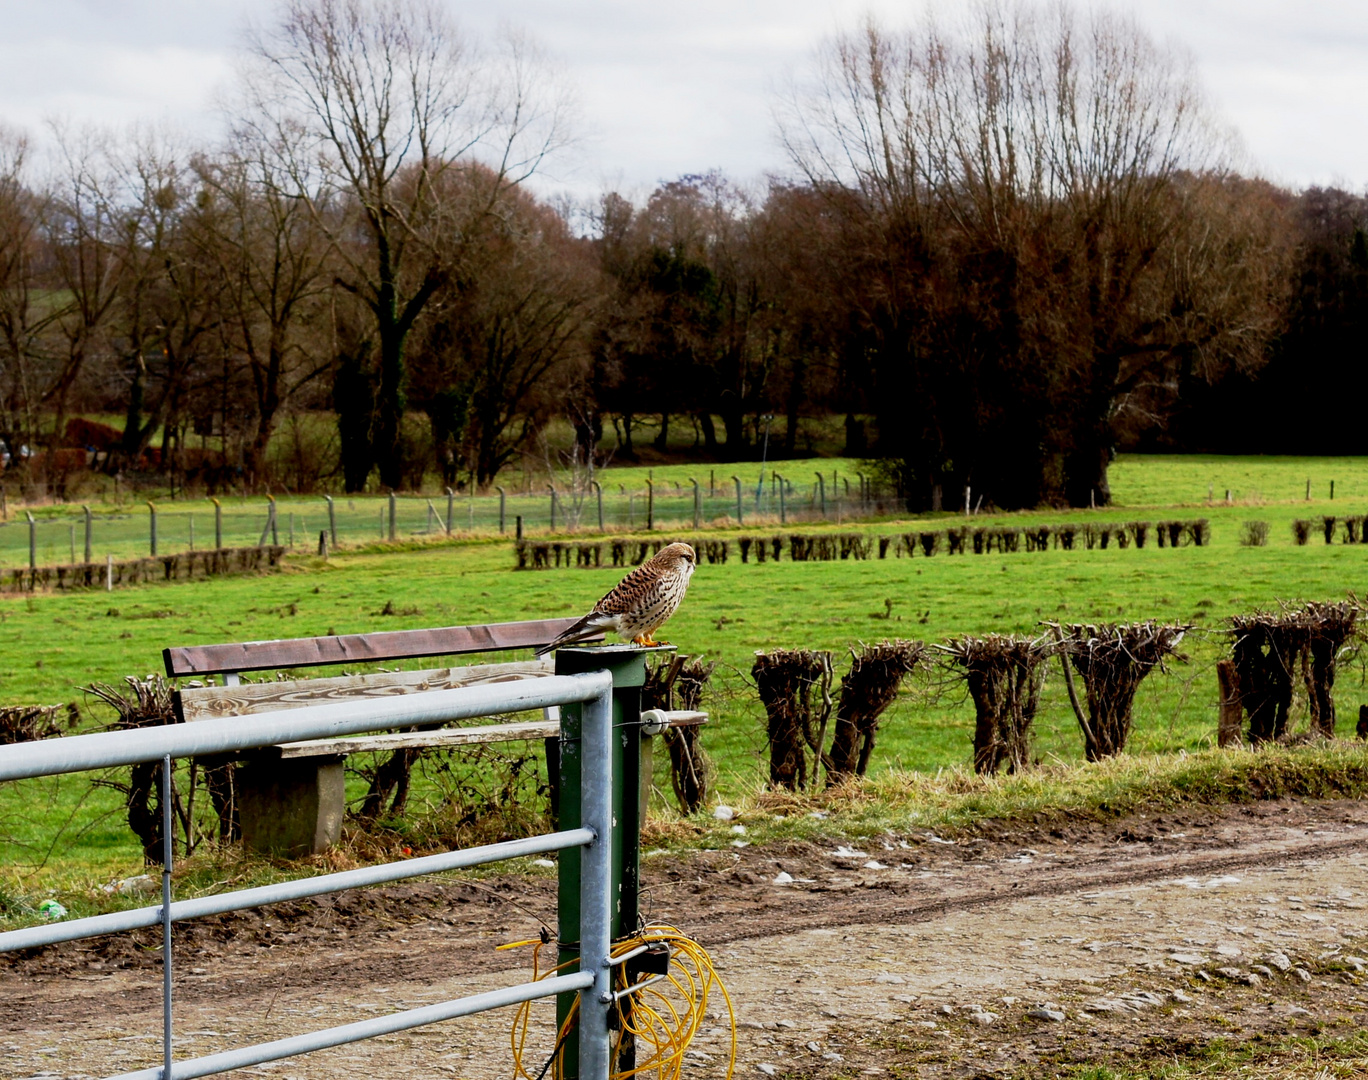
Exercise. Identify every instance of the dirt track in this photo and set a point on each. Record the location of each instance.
(849, 967)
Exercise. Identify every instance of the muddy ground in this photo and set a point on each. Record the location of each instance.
(1017, 951)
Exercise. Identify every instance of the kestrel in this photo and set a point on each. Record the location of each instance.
(641, 602)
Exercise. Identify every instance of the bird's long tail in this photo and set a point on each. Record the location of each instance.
(585, 628)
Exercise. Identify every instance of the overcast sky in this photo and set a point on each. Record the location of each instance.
(669, 88)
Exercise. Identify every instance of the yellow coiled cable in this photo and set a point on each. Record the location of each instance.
(663, 1017)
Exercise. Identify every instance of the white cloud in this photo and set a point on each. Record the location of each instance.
(674, 88)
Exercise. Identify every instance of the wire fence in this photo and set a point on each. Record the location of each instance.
(65, 535)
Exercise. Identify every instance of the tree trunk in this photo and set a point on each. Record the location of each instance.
(354, 404)
(795, 399)
(1322, 687)
(734, 424)
(705, 421)
(390, 403)
(662, 439)
(1232, 714)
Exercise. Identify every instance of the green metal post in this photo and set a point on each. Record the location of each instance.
(627, 663)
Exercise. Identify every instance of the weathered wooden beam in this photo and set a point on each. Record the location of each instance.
(210, 702)
(404, 740)
(445, 737)
(201, 660)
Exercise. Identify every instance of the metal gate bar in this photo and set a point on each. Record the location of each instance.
(298, 889)
(80, 753)
(593, 981)
(365, 1029)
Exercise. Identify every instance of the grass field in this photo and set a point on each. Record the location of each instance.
(52, 644)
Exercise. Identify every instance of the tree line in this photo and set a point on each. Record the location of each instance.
(1008, 244)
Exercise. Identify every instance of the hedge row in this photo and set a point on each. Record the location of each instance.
(830, 547)
(1351, 529)
(181, 567)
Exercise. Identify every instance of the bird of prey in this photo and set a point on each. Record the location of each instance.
(641, 602)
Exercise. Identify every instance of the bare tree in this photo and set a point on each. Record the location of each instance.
(370, 103)
(22, 319)
(274, 263)
(82, 225)
(1050, 157)
(501, 350)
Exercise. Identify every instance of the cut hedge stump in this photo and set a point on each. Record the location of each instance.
(1269, 650)
(876, 673)
(1113, 660)
(680, 683)
(1003, 674)
(788, 680)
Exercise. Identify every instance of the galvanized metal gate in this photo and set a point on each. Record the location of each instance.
(593, 692)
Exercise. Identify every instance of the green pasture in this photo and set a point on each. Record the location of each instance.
(52, 644)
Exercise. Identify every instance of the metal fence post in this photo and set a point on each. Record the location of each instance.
(451, 507)
(582, 934)
(332, 520)
(697, 507)
(553, 508)
(737, 480)
(192, 529)
(168, 860)
(152, 525)
(783, 505)
(598, 494)
(650, 504)
(218, 523)
(391, 513)
(821, 488)
(596, 885)
(503, 504)
(88, 530)
(33, 541)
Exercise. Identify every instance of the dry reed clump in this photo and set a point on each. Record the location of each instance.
(1113, 660)
(1271, 649)
(1003, 674)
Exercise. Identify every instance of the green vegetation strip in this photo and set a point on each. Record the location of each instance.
(956, 800)
(1289, 1058)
